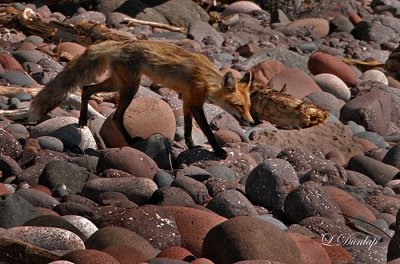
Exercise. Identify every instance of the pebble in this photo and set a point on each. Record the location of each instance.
(138, 190)
(320, 62)
(270, 182)
(50, 238)
(119, 236)
(66, 130)
(375, 75)
(129, 160)
(334, 85)
(302, 203)
(228, 242)
(231, 203)
(378, 171)
(317, 25)
(294, 82)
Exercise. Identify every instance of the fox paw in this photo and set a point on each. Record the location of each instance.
(221, 153)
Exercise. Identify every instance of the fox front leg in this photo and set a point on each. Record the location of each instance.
(200, 117)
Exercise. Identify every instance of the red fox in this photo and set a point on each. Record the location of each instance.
(190, 74)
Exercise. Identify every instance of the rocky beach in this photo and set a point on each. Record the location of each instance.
(315, 181)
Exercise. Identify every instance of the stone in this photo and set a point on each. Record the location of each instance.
(310, 250)
(15, 210)
(151, 222)
(119, 236)
(366, 110)
(334, 85)
(327, 101)
(171, 196)
(320, 62)
(54, 221)
(266, 70)
(270, 182)
(125, 254)
(146, 116)
(311, 199)
(89, 256)
(138, 190)
(295, 82)
(193, 225)
(240, 7)
(378, 171)
(319, 26)
(38, 198)
(129, 160)
(58, 172)
(51, 143)
(84, 225)
(300, 159)
(8, 167)
(231, 203)
(9, 145)
(316, 139)
(246, 238)
(326, 174)
(50, 238)
(67, 130)
(375, 75)
(205, 33)
(195, 189)
(349, 205)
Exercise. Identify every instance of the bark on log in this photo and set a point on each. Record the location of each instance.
(25, 253)
(12, 90)
(285, 111)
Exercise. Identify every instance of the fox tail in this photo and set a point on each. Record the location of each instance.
(80, 71)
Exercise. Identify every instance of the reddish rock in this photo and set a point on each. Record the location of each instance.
(319, 26)
(349, 205)
(294, 82)
(225, 136)
(335, 252)
(89, 256)
(3, 189)
(69, 50)
(125, 254)
(118, 236)
(311, 252)
(9, 62)
(249, 238)
(111, 135)
(175, 253)
(320, 62)
(129, 160)
(266, 70)
(146, 116)
(193, 225)
(366, 144)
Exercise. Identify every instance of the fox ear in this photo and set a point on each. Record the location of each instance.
(247, 78)
(229, 81)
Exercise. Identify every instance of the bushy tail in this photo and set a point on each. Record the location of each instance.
(81, 71)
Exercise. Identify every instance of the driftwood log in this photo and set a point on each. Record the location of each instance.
(283, 110)
(24, 253)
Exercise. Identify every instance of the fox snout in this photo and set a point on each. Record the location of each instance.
(244, 119)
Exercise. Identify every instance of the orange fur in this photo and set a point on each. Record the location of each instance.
(188, 73)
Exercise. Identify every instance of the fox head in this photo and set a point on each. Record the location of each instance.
(234, 97)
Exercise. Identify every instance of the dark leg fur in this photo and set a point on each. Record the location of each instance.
(199, 116)
(89, 90)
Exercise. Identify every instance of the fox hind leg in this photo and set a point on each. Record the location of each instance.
(89, 90)
(129, 86)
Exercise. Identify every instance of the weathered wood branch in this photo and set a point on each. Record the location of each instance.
(25, 253)
(12, 90)
(154, 24)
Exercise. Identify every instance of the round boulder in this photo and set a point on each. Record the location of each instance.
(146, 116)
(249, 238)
